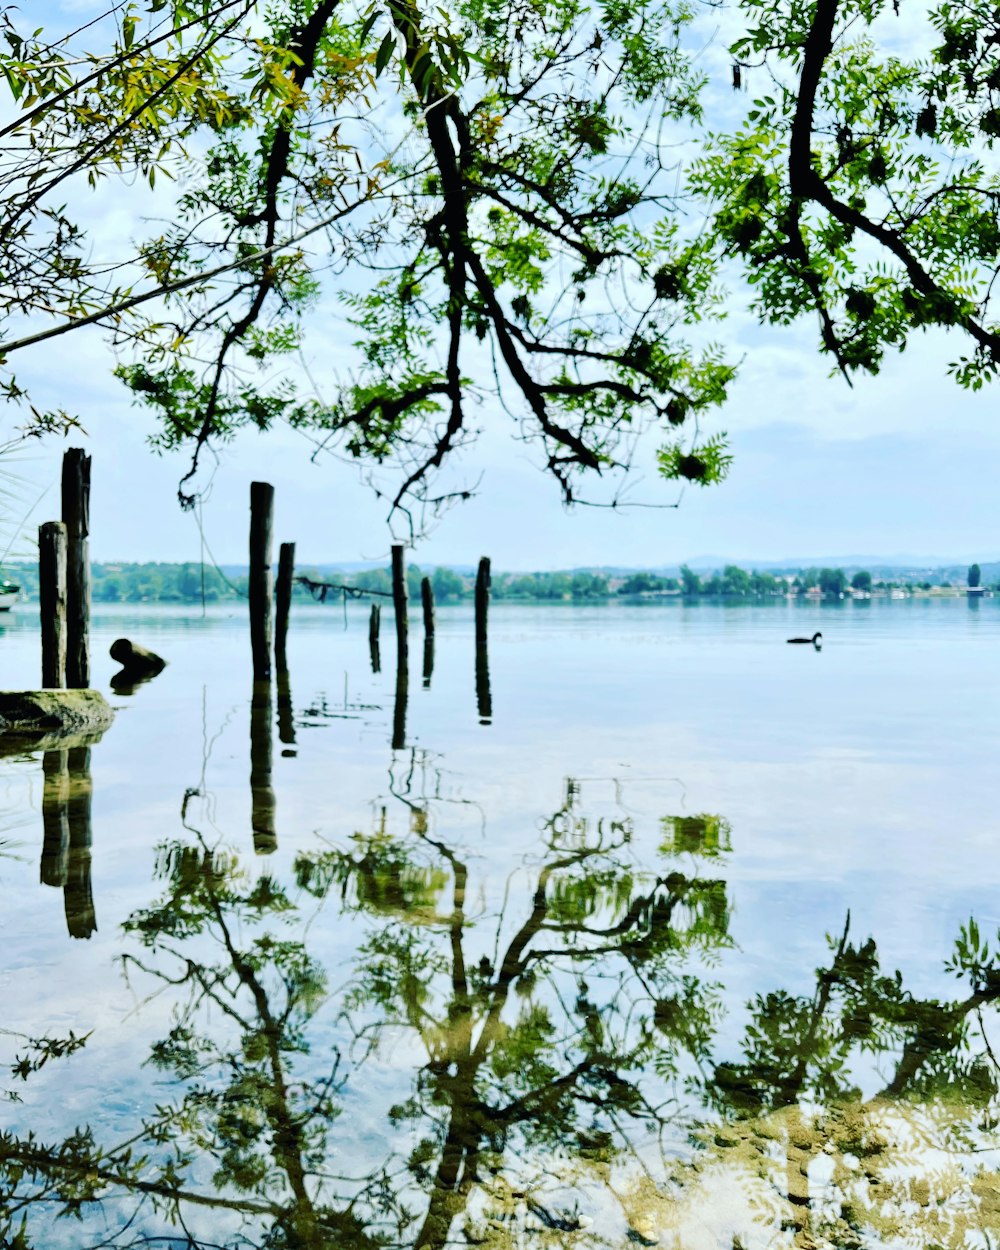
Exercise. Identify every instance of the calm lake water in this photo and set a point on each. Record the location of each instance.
(675, 950)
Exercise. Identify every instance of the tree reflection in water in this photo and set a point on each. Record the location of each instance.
(532, 1030)
(797, 1147)
(570, 1081)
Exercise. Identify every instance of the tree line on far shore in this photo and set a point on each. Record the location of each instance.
(191, 583)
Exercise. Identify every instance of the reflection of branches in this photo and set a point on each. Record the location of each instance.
(242, 1106)
(201, 791)
(548, 1054)
(430, 793)
(792, 1102)
(499, 1064)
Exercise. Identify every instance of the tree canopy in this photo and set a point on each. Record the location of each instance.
(862, 186)
(470, 202)
(490, 194)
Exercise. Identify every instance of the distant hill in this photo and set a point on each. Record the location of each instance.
(894, 561)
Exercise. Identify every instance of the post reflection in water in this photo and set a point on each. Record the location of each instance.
(374, 626)
(484, 699)
(557, 1062)
(67, 834)
(262, 800)
(55, 818)
(286, 714)
(399, 705)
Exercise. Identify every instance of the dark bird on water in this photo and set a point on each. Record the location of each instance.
(815, 640)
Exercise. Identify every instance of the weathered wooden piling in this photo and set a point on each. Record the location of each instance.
(282, 607)
(76, 517)
(427, 598)
(52, 602)
(283, 602)
(260, 589)
(482, 600)
(400, 604)
(374, 626)
(484, 700)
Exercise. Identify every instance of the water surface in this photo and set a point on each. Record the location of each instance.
(674, 950)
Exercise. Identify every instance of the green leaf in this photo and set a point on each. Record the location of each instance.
(384, 52)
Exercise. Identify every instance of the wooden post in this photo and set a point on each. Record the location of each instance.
(482, 600)
(399, 603)
(52, 602)
(76, 516)
(374, 626)
(484, 700)
(427, 596)
(428, 660)
(283, 601)
(260, 588)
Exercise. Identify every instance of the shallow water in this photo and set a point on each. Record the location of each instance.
(549, 978)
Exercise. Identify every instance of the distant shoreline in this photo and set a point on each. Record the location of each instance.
(193, 583)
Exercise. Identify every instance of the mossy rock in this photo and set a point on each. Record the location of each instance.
(44, 719)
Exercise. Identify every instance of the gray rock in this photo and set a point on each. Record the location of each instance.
(48, 718)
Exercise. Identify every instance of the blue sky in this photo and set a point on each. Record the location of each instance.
(903, 463)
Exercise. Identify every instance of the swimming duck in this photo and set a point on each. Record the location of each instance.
(815, 640)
